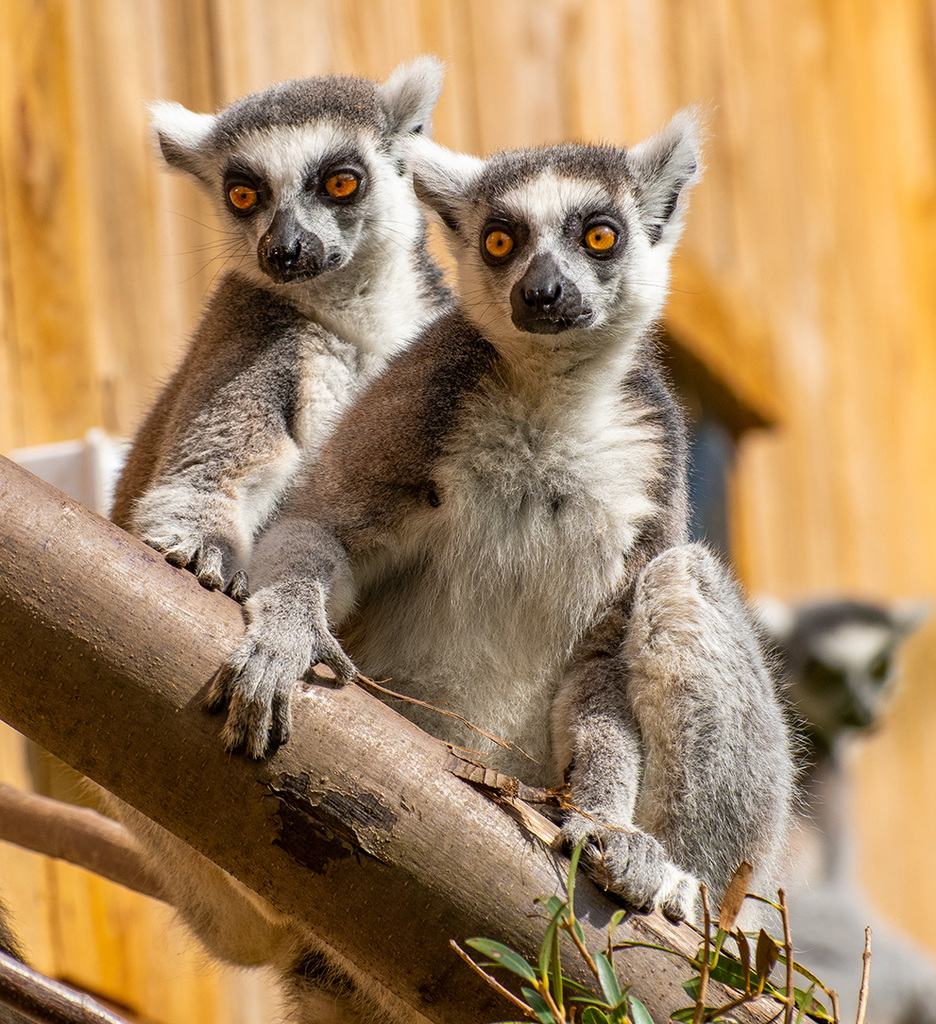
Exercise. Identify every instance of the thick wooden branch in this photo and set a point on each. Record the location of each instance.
(355, 826)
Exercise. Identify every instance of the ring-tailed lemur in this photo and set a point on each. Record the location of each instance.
(330, 278)
(837, 659)
(499, 524)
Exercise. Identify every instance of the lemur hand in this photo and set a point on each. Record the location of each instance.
(287, 634)
(634, 866)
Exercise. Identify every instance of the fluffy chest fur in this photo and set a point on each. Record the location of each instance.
(479, 595)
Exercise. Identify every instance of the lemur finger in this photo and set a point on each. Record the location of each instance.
(208, 569)
(248, 718)
(239, 587)
(230, 675)
(281, 718)
(678, 901)
(173, 549)
(329, 652)
(630, 864)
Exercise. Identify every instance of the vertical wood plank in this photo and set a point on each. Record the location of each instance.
(44, 209)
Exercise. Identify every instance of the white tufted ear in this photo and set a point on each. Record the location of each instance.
(908, 616)
(181, 134)
(442, 177)
(664, 167)
(775, 617)
(410, 94)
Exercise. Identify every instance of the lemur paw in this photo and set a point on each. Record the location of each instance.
(634, 866)
(209, 559)
(256, 682)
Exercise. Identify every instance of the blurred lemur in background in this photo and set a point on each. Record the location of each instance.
(838, 661)
(330, 278)
(499, 524)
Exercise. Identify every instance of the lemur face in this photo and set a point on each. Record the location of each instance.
(562, 240)
(552, 252)
(302, 197)
(307, 173)
(839, 658)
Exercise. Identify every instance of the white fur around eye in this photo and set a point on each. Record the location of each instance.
(854, 645)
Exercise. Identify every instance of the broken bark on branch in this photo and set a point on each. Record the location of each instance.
(354, 827)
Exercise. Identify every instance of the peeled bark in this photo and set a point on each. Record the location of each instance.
(355, 826)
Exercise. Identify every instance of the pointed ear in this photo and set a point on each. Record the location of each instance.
(442, 178)
(908, 616)
(775, 618)
(182, 135)
(410, 94)
(664, 167)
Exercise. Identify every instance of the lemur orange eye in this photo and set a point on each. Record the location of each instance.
(341, 185)
(498, 243)
(243, 197)
(600, 238)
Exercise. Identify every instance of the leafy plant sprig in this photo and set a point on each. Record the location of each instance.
(549, 996)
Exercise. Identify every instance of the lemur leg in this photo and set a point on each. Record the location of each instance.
(718, 773)
(323, 988)
(237, 925)
(597, 738)
(233, 922)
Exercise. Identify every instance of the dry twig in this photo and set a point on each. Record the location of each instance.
(865, 978)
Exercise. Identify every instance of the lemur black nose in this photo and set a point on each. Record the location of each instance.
(540, 288)
(284, 256)
(544, 297)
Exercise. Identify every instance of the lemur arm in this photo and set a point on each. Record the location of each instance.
(699, 750)
(288, 632)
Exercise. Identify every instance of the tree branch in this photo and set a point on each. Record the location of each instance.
(45, 1001)
(78, 835)
(354, 827)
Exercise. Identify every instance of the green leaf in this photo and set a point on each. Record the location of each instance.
(660, 949)
(539, 1006)
(549, 947)
(573, 867)
(639, 1012)
(616, 918)
(607, 980)
(802, 971)
(729, 972)
(503, 956)
(691, 985)
(590, 1001)
(553, 905)
(556, 972)
(808, 1003)
(570, 984)
(684, 1016)
(594, 1016)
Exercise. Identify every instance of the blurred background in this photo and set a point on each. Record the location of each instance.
(801, 328)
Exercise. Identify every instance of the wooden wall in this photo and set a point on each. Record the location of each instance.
(806, 283)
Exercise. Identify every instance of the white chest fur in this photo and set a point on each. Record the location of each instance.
(480, 600)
